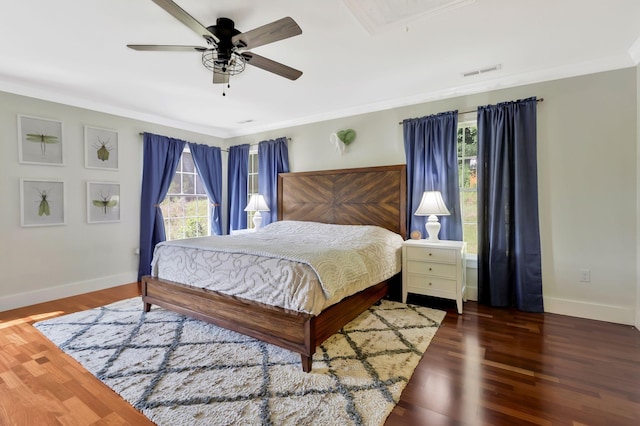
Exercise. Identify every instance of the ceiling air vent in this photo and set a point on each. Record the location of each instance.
(377, 16)
(482, 70)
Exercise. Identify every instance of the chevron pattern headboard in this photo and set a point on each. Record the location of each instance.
(362, 196)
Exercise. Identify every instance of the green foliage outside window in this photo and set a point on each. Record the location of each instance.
(468, 181)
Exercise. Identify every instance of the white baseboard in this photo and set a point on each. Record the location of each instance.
(472, 293)
(594, 311)
(19, 300)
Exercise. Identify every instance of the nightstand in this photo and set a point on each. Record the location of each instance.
(435, 269)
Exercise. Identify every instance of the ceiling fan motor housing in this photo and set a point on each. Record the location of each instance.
(224, 30)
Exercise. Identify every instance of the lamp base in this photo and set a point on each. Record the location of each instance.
(433, 228)
(257, 220)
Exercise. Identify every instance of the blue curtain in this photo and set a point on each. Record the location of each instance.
(430, 146)
(237, 174)
(209, 165)
(161, 157)
(509, 264)
(273, 158)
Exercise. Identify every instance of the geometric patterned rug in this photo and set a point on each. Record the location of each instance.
(181, 371)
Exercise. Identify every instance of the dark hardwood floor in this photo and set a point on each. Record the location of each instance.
(485, 367)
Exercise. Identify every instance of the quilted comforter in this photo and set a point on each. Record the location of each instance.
(303, 266)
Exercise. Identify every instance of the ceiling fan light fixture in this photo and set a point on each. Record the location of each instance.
(212, 62)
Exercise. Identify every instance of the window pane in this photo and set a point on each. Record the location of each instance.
(200, 186)
(195, 227)
(174, 188)
(471, 142)
(470, 232)
(253, 184)
(177, 229)
(188, 184)
(203, 207)
(468, 175)
(187, 163)
(470, 207)
(191, 206)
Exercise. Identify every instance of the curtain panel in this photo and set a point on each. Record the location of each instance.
(509, 259)
(208, 163)
(273, 158)
(430, 146)
(161, 156)
(237, 183)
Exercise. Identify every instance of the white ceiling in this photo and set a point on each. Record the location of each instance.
(75, 52)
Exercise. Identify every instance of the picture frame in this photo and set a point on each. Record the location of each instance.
(100, 148)
(103, 202)
(40, 141)
(42, 202)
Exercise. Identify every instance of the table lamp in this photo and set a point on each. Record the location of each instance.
(432, 205)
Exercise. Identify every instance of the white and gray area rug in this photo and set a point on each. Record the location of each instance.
(181, 371)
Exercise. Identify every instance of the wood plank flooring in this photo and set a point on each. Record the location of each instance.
(486, 367)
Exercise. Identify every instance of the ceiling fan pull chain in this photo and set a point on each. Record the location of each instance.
(228, 86)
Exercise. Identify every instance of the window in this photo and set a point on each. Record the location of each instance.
(186, 206)
(467, 174)
(252, 183)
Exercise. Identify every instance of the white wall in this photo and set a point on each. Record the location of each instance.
(45, 263)
(637, 323)
(587, 137)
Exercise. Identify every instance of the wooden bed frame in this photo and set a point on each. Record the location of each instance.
(363, 196)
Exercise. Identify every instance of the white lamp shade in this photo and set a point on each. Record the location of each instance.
(432, 204)
(256, 204)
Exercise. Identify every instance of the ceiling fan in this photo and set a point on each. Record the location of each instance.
(225, 53)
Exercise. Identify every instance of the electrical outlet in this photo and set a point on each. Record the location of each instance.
(585, 275)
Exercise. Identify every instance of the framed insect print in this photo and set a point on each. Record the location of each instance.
(103, 202)
(100, 148)
(42, 202)
(40, 141)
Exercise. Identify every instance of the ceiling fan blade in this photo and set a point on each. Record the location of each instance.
(271, 66)
(188, 20)
(166, 48)
(277, 30)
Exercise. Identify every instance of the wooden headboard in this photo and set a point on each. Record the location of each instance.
(362, 196)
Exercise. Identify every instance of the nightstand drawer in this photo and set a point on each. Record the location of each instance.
(430, 285)
(430, 254)
(446, 270)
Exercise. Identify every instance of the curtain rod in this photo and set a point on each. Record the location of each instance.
(222, 149)
(476, 110)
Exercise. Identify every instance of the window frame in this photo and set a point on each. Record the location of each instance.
(200, 195)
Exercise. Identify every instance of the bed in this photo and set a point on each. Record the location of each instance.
(363, 196)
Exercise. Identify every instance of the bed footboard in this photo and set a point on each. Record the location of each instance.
(295, 331)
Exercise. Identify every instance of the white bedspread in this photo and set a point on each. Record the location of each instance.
(304, 266)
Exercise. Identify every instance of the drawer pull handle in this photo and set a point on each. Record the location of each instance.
(429, 283)
(430, 269)
(429, 254)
